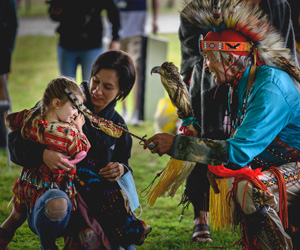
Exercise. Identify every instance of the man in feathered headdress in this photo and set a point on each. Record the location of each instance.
(209, 102)
(244, 51)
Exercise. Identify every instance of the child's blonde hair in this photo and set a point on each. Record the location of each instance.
(54, 89)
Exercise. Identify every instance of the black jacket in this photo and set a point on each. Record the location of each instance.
(104, 148)
(8, 25)
(81, 24)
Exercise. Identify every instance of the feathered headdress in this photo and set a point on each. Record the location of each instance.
(242, 17)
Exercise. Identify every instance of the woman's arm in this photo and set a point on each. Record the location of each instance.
(118, 166)
(24, 152)
(122, 151)
(31, 155)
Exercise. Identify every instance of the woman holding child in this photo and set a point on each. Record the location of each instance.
(100, 200)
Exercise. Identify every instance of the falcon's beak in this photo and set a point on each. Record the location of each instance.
(156, 69)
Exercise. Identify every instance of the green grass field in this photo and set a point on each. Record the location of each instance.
(34, 65)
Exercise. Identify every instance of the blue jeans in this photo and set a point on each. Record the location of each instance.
(41, 224)
(130, 247)
(69, 59)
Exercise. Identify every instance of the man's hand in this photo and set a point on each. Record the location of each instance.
(112, 171)
(55, 160)
(154, 27)
(160, 143)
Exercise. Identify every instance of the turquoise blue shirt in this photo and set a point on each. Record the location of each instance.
(269, 132)
(273, 110)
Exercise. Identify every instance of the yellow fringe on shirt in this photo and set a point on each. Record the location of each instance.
(174, 174)
(219, 209)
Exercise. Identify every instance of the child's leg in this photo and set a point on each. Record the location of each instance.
(14, 220)
(10, 225)
(50, 217)
(5, 238)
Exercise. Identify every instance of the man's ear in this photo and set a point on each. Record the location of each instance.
(55, 103)
(230, 59)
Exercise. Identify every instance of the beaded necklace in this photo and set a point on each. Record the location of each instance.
(237, 120)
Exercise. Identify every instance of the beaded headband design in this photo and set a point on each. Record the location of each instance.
(225, 46)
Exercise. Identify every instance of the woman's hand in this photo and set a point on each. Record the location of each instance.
(79, 122)
(55, 160)
(112, 171)
(160, 143)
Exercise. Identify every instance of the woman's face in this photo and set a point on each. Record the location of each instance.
(104, 87)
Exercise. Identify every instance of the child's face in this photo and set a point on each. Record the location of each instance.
(104, 87)
(67, 112)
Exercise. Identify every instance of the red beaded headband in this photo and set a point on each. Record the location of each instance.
(225, 46)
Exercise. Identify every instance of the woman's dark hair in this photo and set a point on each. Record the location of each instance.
(122, 63)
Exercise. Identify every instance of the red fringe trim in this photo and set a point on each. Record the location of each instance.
(252, 176)
(240, 174)
(26, 192)
(283, 208)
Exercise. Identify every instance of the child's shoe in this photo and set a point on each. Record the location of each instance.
(73, 243)
(89, 239)
(147, 231)
(135, 121)
(125, 115)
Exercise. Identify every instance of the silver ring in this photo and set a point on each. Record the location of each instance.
(152, 145)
